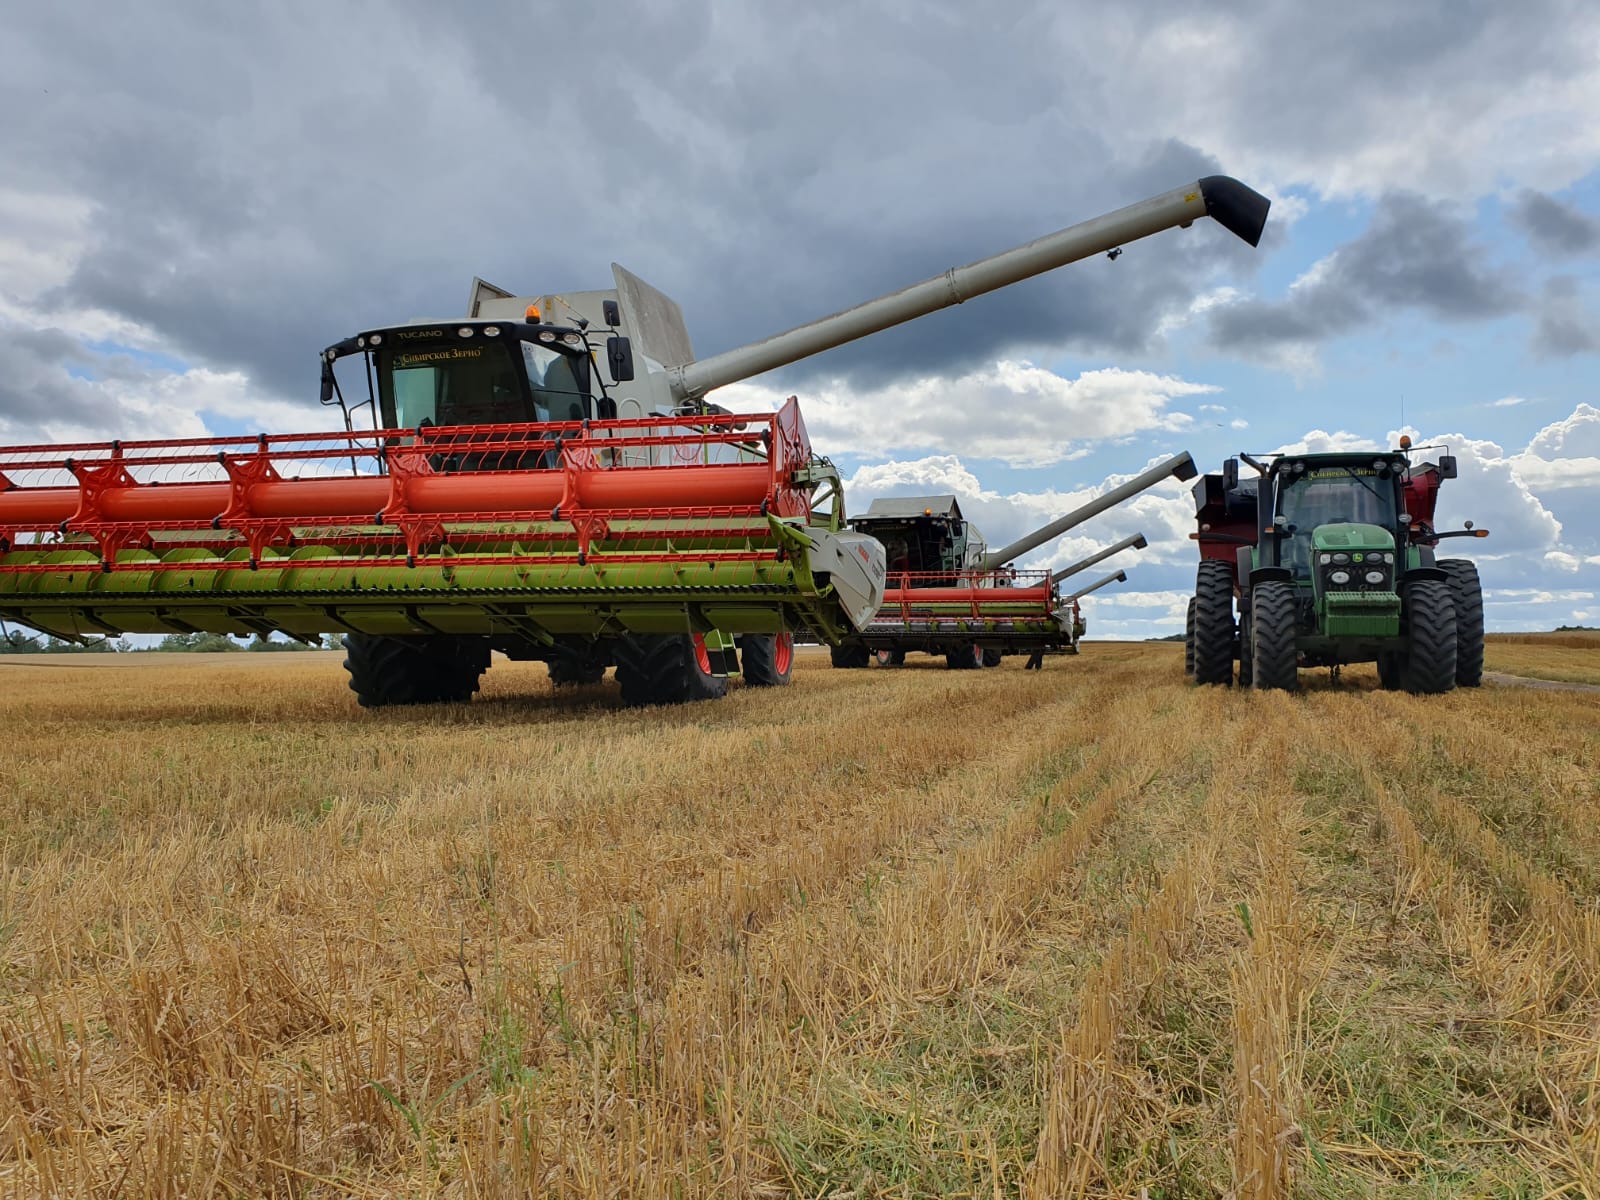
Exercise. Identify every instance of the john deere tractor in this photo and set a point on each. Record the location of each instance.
(1330, 559)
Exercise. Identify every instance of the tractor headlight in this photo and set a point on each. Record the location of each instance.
(1326, 559)
(1341, 558)
(1339, 577)
(1375, 576)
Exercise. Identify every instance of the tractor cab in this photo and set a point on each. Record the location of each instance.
(1334, 511)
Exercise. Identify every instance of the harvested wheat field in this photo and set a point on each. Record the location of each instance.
(1088, 931)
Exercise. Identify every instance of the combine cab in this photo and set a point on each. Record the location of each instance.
(544, 478)
(948, 595)
(1330, 558)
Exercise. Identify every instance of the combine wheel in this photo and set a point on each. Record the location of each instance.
(431, 669)
(891, 658)
(1467, 594)
(991, 658)
(1274, 659)
(849, 656)
(1430, 661)
(1188, 640)
(574, 670)
(968, 658)
(1213, 623)
(666, 669)
(767, 660)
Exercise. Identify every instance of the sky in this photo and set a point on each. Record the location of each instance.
(195, 200)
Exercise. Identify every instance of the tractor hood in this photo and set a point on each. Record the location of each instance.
(1351, 537)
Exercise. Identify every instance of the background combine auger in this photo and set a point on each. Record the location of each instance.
(948, 594)
(1331, 560)
(545, 479)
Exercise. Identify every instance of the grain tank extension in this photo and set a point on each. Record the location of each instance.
(543, 478)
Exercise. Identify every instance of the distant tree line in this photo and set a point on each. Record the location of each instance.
(13, 642)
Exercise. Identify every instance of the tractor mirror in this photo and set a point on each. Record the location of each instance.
(1447, 466)
(327, 382)
(619, 354)
(1230, 475)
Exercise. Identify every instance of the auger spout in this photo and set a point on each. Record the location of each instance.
(1136, 542)
(1237, 208)
(1180, 466)
(1118, 577)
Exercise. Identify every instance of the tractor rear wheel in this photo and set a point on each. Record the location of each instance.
(849, 656)
(1274, 659)
(1390, 667)
(767, 659)
(573, 670)
(1188, 640)
(1247, 657)
(1466, 591)
(669, 668)
(1213, 623)
(991, 658)
(427, 669)
(968, 658)
(1430, 660)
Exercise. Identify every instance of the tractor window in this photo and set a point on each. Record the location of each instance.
(451, 384)
(1332, 496)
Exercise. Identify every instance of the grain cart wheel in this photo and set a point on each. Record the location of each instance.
(1430, 661)
(569, 669)
(991, 658)
(672, 668)
(891, 658)
(849, 656)
(968, 658)
(1272, 624)
(431, 669)
(767, 660)
(1213, 623)
(1188, 640)
(1467, 594)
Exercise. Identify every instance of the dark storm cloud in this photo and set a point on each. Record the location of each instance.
(1564, 326)
(1553, 226)
(1415, 255)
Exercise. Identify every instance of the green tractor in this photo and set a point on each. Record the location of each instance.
(1330, 559)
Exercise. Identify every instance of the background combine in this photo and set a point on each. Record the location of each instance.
(545, 478)
(1330, 558)
(949, 595)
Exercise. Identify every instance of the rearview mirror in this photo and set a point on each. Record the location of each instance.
(327, 382)
(619, 355)
(1230, 475)
(1447, 466)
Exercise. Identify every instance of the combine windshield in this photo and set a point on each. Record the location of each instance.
(481, 384)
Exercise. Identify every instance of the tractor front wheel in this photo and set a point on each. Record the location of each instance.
(429, 669)
(1466, 593)
(1430, 660)
(670, 668)
(1274, 659)
(1213, 623)
(767, 660)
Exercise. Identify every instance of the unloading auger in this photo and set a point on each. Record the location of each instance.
(545, 479)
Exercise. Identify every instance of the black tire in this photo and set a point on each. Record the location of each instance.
(1390, 668)
(991, 658)
(1188, 640)
(851, 656)
(427, 669)
(766, 660)
(1246, 652)
(1430, 617)
(1274, 659)
(665, 669)
(968, 658)
(890, 658)
(1466, 593)
(1214, 632)
(574, 670)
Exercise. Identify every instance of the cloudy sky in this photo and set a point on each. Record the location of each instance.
(195, 199)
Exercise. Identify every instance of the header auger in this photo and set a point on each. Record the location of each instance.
(1331, 560)
(544, 479)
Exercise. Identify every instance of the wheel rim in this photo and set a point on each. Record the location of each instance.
(783, 653)
(702, 656)
(884, 656)
(977, 655)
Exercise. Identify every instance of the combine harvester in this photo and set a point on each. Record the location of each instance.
(948, 595)
(546, 479)
(1331, 560)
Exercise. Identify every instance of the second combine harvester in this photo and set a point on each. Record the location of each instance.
(546, 479)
